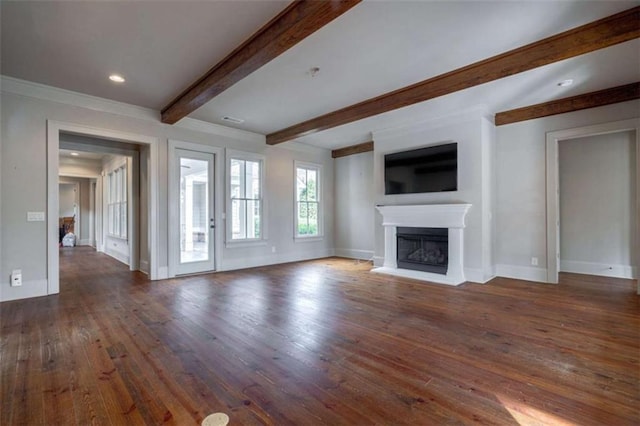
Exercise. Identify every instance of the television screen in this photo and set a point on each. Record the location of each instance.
(430, 169)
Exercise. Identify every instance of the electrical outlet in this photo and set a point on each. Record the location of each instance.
(273, 249)
(16, 278)
(534, 261)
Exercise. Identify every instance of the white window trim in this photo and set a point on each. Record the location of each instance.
(308, 238)
(246, 242)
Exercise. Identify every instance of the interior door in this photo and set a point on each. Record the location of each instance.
(196, 222)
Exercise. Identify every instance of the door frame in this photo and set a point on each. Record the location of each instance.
(218, 200)
(133, 191)
(54, 128)
(553, 185)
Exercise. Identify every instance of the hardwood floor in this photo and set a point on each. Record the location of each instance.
(319, 342)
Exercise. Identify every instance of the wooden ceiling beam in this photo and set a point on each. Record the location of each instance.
(574, 103)
(299, 20)
(587, 38)
(352, 150)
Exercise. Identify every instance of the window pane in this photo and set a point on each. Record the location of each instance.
(301, 184)
(303, 220)
(199, 206)
(252, 181)
(312, 219)
(112, 187)
(110, 218)
(123, 188)
(118, 185)
(253, 219)
(307, 194)
(116, 218)
(123, 220)
(236, 178)
(238, 228)
(312, 187)
(194, 210)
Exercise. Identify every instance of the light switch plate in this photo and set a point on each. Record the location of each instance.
(35, 216)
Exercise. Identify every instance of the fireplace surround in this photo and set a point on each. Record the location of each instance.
(450, 217)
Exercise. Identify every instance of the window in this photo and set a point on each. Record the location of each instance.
(308, 215)
(117, 202)
(245, 197)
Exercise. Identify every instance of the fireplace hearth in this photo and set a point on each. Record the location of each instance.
(423, 249)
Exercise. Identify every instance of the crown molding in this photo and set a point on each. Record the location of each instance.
(40, 91)
(54, 94)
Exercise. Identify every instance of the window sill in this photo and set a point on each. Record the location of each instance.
(118, 237)
(241, 244)
(310, 239)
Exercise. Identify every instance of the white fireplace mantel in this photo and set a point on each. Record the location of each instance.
(450, 216)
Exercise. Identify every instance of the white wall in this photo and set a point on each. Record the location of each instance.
(475, 136)
(67, 199)
(521, 186)
(354, 212)
(24, 182)
(598, 204)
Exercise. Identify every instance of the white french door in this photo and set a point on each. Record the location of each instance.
(193, 235)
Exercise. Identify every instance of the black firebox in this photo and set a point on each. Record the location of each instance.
(423, 249)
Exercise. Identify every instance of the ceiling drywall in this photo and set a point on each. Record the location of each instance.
(160, 47)
(376, 47)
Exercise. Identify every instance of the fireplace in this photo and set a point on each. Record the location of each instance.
(423, 249)
(424, 242)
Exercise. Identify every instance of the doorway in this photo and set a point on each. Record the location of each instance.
(150, 162)
(553, 186)
(194, 205)
(196, 222)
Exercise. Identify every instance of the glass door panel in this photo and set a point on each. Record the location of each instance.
(196, 220)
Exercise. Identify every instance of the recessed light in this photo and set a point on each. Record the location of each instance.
(565, 83)
(75, 154)
(116, 78)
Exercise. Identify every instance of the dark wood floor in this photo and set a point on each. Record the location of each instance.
(320, 342)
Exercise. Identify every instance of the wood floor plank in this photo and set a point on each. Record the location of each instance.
(318, 342)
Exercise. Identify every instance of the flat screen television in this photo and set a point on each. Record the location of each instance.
(430, 169)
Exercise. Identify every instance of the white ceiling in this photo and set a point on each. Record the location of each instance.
(376, 47)
(160, 47)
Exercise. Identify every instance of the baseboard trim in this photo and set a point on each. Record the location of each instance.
(602, 269)
(118, 256)
(378, 261)
(475, 275)
(28, 289)
(232, 264)
(144, 266)
(354, 254)
(86, 242)
(527, 273)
